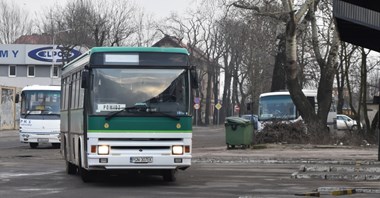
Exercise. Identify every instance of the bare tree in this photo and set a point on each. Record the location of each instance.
(147, 30)
(14, 22)
(93, 23)
(327, 64)
(199, 30)
(346, 56)
(121, 21)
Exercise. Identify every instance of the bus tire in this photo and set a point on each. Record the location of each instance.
(86, 175)
(71, 169)
(33, 145)
(56, 145)
(169, 175)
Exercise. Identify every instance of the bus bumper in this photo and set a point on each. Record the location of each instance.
(126, 162)
(39, 137)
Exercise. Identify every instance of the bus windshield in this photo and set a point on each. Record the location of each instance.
(278, 107)
(40, 102)
(158, 90)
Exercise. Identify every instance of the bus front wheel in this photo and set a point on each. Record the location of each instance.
(33, 145)
(169, 175)
(86, 175)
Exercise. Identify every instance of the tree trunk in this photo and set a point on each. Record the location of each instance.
(363, 90)
(292, 73)
(226, 100)
(278, 77)
(208, 94)
(216, 116)
(340, 80)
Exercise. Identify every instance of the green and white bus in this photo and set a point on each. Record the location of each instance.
(127, 109)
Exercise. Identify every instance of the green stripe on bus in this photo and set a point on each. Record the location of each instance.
(138, 131)
(150, 124)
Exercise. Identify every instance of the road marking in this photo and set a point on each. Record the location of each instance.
(13, 175)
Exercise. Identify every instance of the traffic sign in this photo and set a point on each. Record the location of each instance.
(237, 108)
(218, 106)
(197, 100)
(196, 106)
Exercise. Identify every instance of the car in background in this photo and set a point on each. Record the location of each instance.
(344, 122)
(253, 118)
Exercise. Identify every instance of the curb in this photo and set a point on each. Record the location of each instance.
(309, 194)
(343, 192)
(255, 160)
(338, 191)
(339, 172)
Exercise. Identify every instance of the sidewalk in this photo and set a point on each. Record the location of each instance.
(319, 162)
(293, 152)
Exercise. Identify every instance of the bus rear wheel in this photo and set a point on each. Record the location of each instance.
(71, 169)
(33, 145)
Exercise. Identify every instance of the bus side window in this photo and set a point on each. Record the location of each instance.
(85, 79)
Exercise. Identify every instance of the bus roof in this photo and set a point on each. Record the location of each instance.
(139, 49)
(307, 92)
(85, 56)
(41, 87)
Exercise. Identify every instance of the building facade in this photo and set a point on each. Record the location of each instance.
(24, 64)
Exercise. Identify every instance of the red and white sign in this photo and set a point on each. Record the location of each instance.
(196, 106)
(237, 108)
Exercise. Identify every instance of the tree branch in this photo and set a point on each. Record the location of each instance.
(282, 16)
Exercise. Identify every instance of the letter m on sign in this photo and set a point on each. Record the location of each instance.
(3, 53)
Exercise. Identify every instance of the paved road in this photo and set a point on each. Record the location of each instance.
(216, 172)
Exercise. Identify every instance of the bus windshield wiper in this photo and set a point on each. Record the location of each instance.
(28, 113)
(141, 107)
(137, 107)
(166, 114)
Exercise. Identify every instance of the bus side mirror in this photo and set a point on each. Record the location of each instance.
(17, 98)
(85, 79)
(194, 78)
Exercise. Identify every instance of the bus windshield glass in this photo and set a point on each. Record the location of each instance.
(40, 103)
(139, 91)
(279, 107)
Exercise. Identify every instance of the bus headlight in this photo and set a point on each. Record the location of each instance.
(103, 150)
(177, 150)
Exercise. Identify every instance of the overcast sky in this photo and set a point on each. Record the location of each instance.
(159, 8)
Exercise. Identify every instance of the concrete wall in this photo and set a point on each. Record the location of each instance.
(9, 110)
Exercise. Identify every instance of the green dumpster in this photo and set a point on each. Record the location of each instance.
(239, 132)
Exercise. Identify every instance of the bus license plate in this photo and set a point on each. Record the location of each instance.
(141, 159)
(42, 140)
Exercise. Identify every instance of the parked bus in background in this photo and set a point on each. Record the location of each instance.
(127, 109)
(40, 115)
(279, 106)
